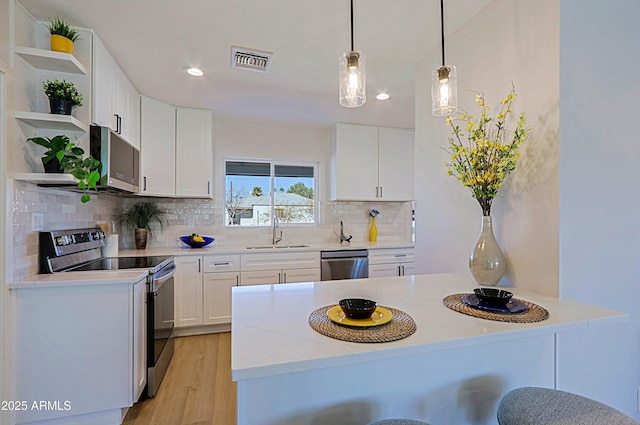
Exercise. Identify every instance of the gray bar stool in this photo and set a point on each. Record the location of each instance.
(546, 406)
(398, 422)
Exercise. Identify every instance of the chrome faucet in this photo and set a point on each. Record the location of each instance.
(344, 238)
(276, 225)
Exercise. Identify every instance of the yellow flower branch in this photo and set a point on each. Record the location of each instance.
(482, 161)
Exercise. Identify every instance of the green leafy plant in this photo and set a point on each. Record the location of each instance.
(64, 90)
(72, 161)
(57, 26)
(489, 152)
(143, 215)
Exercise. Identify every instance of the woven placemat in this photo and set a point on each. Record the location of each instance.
(400, 326)
(535, 313)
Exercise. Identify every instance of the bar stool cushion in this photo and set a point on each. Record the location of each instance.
(546, 406)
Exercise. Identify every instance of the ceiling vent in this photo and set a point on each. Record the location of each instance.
(253, 60)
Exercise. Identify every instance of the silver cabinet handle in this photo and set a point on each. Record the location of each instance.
(208, 188)
(399, 271)
(237, 280)
(226, 263)
(402, 270)
(144, 186)
(285, 278)
(199, 266)
(381, 191)
(400, 255)
(279, 277)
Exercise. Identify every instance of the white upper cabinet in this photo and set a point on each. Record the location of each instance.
(115, 101)
(157, 148)
(194, 153)
(395, 164)
(371, 163)
(176, 150)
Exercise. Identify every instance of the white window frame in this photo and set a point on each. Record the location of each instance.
(272, 164)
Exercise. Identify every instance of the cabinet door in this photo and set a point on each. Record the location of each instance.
(354, 163)
(194, 153)
(217, 296)
(300, 275)
(139, 339)
(188, 291)
(103, 85)
(385, 270)
(260, 277)
(157, 148)
(395, 164)
(126, 109)
(407, 269)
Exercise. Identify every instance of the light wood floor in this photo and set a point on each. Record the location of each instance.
(197, 389)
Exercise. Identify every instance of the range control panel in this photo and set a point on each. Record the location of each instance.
(78, 237)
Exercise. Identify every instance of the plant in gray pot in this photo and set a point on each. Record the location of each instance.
(142, 216)
(63, 96)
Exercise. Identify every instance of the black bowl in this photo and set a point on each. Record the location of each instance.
(358, 308)
(493, 297)
(194, 244)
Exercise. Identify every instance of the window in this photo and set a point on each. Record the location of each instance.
(255, 190)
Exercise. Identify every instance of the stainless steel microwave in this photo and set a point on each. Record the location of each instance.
(119, 161)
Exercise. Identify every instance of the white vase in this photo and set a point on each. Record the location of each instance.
(487, 262)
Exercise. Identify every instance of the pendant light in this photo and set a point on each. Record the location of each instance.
(353, 91)
(444, 82)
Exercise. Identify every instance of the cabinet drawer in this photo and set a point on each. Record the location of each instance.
(221, 263)
(278, 261)
(391, 255)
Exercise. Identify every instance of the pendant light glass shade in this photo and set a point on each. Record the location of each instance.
(353, 80)
(444, 82)
(444, 91)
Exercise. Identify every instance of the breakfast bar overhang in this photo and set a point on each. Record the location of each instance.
(453, 369)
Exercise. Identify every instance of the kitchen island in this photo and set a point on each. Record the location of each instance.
(454, 369)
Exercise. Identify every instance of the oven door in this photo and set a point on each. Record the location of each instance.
(160, 327)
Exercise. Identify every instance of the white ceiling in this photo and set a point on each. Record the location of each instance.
(153, 40)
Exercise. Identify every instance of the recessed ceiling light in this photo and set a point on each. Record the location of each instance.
(196, 72)
(382, 96)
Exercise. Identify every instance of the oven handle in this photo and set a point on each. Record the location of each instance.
(158, 280)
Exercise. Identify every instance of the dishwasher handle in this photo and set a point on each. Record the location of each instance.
(344, 253)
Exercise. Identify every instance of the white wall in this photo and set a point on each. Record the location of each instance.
(234, 138)
(599, 186)
(6, 11)
(567, 216)
(521, 46)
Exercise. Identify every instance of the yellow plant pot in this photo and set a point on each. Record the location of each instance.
(61, 44)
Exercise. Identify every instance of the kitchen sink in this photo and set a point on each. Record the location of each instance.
(277, 246)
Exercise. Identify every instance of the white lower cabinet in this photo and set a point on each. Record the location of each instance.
(188, 290)
(221, 273)
(81, 347)
(391, 262)
(203, 289)
(139, 339)
(272, 268)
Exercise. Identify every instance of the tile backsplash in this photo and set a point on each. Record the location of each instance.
(63, 210)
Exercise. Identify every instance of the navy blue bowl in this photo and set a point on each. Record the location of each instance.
(493, 297)
(358, 308)
(194, 244)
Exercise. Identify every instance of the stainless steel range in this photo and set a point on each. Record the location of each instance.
(80, 250)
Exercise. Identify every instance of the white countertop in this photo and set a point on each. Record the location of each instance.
(227, 248)
(271, 334)
(102, 277)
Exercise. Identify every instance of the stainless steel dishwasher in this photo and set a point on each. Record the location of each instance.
(344, 264)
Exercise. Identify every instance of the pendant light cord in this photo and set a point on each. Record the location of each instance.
(352, 25)
(441, 27)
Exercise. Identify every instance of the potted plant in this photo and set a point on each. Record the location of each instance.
(141, 216)
(62, 35)
(63, 156)
(63, 96)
